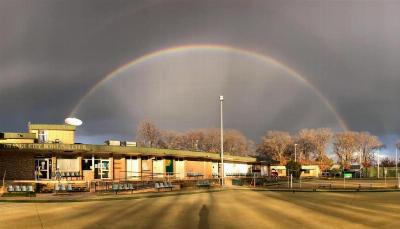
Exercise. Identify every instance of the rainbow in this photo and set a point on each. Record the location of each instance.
(211, 47)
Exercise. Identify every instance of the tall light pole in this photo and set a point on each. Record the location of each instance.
(361, 151)
(295, 153)
(221, 99)
(378, 163)
(397, 174)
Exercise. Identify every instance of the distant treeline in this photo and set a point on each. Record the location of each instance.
(310, 145)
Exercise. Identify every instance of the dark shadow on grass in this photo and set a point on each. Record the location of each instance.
(264, 211)
(340, 207)
(203, 218)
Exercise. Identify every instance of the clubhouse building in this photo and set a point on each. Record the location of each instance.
(48, 151)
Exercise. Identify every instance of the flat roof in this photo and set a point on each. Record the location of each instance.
(10, 135)
(124, 150)
(51, 127)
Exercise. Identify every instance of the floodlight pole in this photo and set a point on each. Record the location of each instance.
(295, 153)
(378, 163)
(396, 161)
(397, 173)
(360, 161)
(221, 99)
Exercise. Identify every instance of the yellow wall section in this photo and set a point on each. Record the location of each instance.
(11, 140)
(65, 136)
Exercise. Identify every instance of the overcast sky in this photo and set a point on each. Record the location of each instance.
(52, 53)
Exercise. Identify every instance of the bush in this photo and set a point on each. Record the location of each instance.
(294, 168)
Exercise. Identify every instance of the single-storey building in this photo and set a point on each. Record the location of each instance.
(279, 169)
(49, 151)
(310, 171)
(307, 170)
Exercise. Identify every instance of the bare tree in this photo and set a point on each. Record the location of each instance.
(194, 139)
(345, 144)
(211, 142)
(387, 162)
(306, 147)
(235, 142)
(368, 144)
(275, 145)
(313, 143)
(147, 134)
(171, 140)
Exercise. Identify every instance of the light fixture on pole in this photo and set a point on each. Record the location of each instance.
(221, 99)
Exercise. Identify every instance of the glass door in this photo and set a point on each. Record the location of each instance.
(101, 169)
(105, 169)
(42, 168)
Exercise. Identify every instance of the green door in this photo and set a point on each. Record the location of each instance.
(169, 166)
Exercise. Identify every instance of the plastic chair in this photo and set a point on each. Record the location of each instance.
(10, 188)
(166, 184)
(126, 187)
(131, 187)
(56, 187)
(69, 188)
(114, 187)
(17, 188)
(67, 175)
(30, 188)
(62, 187)
(161, 185)
(23, 188)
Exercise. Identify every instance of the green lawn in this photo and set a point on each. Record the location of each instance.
(226, 209)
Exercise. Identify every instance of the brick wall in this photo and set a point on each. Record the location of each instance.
(203, 167)
(18, 165)
(119, 168)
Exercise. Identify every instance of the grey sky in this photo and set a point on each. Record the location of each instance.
(53, 52)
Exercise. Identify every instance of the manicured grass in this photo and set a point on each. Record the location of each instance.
(18, 194)
(225, 209)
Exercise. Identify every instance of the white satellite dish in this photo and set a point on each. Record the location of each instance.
(73, 121)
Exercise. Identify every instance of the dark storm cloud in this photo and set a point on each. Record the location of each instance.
(52, 52)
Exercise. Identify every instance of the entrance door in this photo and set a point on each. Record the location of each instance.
(158, 168)
(180, 168)
(169, 167)
(132, 168)
(42, 168)
(101, 169)
(105, 169)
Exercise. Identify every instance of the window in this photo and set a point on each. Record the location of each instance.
(87, 164)
(307, 172)
(43, 136)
